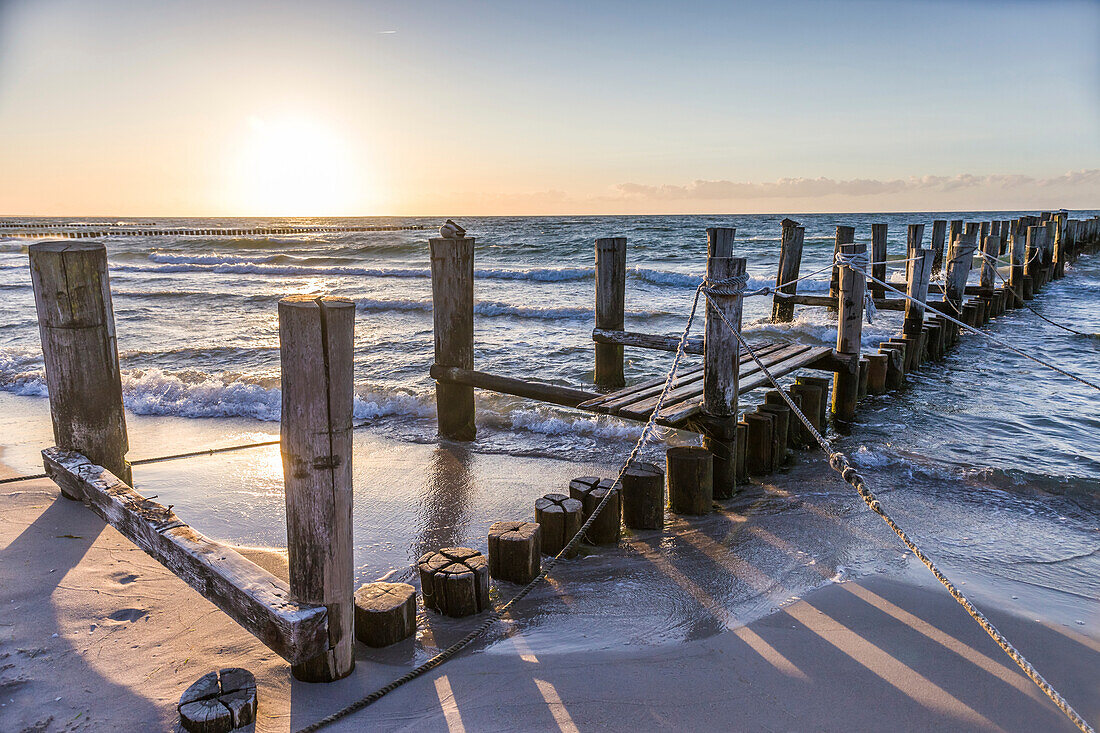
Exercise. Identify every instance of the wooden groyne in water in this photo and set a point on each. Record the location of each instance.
(62, 231)
(311, 621)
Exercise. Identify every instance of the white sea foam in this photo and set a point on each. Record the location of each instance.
(490, 308)
(233, 266)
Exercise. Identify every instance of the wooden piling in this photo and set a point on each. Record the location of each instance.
(76, 323)
(1033, 264)
(844, 235)
(452, 264)
(315, 346)
(590, 491)
(721, 356)
(385, 613)
(849, 334)
(876, 373)
(991, 245)
(958, 269)
(643, 496)
(1016, 273)
(610, 308)
(782, 424)
(515, 551)
(917, 288)
(690, 472)
(790, 260)
(878, 259)
(939, 234)
(560, 519)
(760, 443)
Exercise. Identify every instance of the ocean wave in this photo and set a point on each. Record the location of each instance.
(491, 308)
(195, 394)
(227, 267)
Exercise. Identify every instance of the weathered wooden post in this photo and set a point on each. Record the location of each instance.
(1034, 262)
(844, 235)
(721, 357)
(913, 239)
(878, 259)
(958, 269)
(917, 288)
(849, 332)
(984, 231)
(939, 234)
(610, 308)
(790, 260)
(76, 322)
(1016, 273)
(990, 246)
(955, 230)
(316, 348)
(453, 319)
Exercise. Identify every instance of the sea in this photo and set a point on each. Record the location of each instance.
(989, 459)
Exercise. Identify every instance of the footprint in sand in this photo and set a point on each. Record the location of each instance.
(128, 614)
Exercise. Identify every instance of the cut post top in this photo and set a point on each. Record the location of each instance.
(315, 301)
(720, 241)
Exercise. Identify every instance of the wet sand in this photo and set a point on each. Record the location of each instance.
(95, 635)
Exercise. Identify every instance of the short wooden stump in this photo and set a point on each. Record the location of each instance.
(219, 701)
(515, 551)
(385, 613)
(690, 472)
(590, 491)
(560, 518)
(643, 496)
(454, 581)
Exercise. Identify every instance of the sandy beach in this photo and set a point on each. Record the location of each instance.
(95, 635)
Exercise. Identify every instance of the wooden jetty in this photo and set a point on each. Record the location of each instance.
(310, 620)
(75, 231)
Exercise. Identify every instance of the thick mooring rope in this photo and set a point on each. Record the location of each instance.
(549, 565)
(840, 463)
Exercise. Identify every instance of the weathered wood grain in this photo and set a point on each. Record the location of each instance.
(610, 309)
(316, 346)
(790, 261)
(257, 600)
(76, 322)
(452, 265)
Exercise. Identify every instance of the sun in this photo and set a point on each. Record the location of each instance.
(294, 166)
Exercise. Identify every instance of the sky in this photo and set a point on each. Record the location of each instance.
(326, 108)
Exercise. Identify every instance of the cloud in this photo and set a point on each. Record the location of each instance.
(803, 188)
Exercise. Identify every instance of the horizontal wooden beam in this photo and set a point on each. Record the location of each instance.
(883, 304)
(251, 596)
(552, 393)
(834, 361)
(658, 342)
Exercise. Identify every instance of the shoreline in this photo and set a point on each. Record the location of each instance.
(88, 618)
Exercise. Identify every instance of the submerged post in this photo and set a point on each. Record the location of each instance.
(849, 332)
(315, 349)
(878, 259)
(790, 260)
(453, 320)
(76, 322)
(610, 308)
(844, 235)
(721, 357)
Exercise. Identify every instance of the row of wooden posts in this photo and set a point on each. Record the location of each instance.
(311, 621)
(33, 231)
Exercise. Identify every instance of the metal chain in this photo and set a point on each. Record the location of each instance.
(840, 463)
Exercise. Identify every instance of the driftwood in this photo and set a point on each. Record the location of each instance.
(251, 596)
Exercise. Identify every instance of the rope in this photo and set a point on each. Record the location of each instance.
(158, 459)
(992, 338)
(549, 565)
(1020, 301)
(840, 463)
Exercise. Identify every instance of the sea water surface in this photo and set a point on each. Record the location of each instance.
(991, 460)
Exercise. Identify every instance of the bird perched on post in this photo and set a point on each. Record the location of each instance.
(450, 230)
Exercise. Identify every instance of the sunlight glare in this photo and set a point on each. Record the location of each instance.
(295, 166)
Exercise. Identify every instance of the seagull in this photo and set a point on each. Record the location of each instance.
(450, 230)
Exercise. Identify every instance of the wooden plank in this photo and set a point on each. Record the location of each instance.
(640, 408)
(678, 414)
(651, 388)
(251, 596)
(540, 391)
(657, 342)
